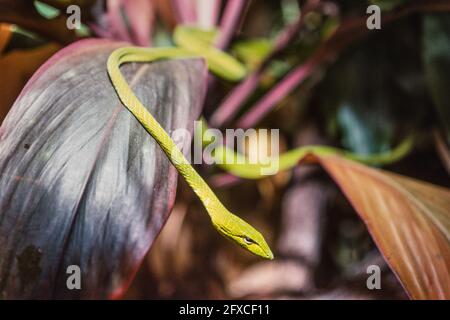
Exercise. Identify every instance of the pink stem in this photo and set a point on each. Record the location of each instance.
(141, 14)
(290, 82)
(229, 21)
(115, 21)
(184, 11)
(224, 180)
(232, 102)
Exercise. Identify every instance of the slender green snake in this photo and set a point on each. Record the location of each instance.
(194, 43)
(226, 223)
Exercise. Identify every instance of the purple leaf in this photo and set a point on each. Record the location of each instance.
(81, 182)
(281, 90)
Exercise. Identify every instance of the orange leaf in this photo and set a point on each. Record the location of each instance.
(16, 68)
(408, 219)
(5, 35)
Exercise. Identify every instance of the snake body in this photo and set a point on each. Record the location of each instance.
(226, 223)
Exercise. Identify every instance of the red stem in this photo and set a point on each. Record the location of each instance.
(346, 34)
(229, 21)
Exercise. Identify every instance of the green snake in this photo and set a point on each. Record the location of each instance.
(195, 43)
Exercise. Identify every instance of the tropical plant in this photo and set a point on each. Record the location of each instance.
(82, 183)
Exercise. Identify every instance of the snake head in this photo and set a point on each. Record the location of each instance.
(243, 234)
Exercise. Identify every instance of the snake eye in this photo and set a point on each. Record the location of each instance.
(247, 240)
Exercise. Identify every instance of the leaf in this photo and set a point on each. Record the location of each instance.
(46, 10)
(5, 35)
(82, 183)
(408, 219)
(436, 59)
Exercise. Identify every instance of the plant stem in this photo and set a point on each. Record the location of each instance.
(229, 21)
(184, 11)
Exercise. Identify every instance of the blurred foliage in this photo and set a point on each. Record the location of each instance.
(436, 59)
(366, 95)
(387, 5)
(370, 97)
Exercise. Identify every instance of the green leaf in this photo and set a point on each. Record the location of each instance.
(46, 10)
(408, 219)
(253, 51)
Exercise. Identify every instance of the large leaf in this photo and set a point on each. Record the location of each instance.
(408, 219)
(436, 56)
(81, 182)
